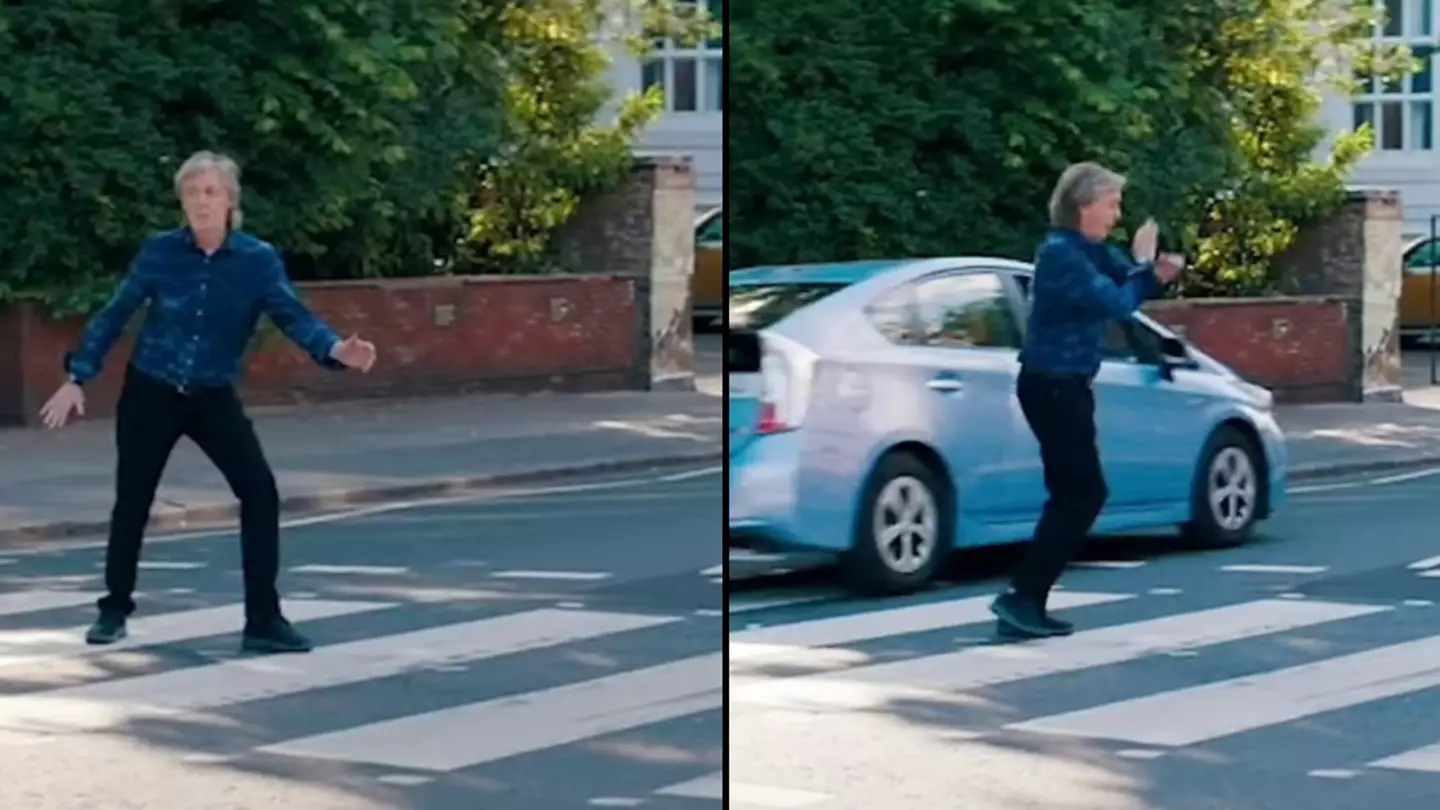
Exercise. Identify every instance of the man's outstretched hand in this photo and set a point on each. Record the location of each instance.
(1168, 266)
(354, 353)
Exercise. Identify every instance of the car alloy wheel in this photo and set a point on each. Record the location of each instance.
(1232, 488)
(906, 524)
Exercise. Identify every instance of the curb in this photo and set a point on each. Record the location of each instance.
(1311, 472)
(183, 518)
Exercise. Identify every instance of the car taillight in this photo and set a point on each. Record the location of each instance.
(786, 369)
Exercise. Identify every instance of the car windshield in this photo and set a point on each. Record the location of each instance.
(760, 306)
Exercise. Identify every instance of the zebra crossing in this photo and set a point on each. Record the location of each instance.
(405, 692)
(1286, 676)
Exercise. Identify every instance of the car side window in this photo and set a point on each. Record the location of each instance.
(1421, 257)
(893, 315)
(712, 231)
(966, 311)
(1131, 341)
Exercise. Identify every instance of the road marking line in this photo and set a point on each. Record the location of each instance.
(172, 693)
(806, 642)
(941, 677)
(378, 570)
(1109, 564)
(1334, 773)
(1410, 476)
(12, 604)
(29, 646)
(1260, 568)
(573, 576)
(710, 786)
(165, 565)
(1214, 710)
(446, 740)
(713, 571)
(1311, 488)
(746, 605)
(1431, 574)
(1428, 562)
(1425, 759)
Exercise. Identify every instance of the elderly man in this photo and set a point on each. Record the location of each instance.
(206, 284)
(1078, 290)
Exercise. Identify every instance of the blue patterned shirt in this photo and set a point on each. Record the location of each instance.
(1074, 297)
(202, 311)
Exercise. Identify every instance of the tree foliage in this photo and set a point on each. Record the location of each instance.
(938, 127)
(404, 137)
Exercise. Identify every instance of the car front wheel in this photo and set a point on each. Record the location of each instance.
(1226, 496)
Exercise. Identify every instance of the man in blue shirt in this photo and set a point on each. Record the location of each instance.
(206, 285)
(1079, 287)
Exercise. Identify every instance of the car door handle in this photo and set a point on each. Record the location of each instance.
(946, 384)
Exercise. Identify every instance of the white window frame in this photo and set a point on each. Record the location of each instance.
(1375, 96)
(667, 51)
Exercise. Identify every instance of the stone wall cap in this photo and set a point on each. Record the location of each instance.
(432, 282)
(1375, 193)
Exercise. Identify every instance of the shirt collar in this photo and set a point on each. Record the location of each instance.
(189, 236)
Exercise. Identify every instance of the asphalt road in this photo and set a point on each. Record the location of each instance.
(1311, 671)
(533, 650)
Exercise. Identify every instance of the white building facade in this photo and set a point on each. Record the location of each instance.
(1402, 114)
(693, 122)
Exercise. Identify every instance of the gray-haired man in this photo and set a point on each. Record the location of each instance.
(1075, 295)
(206, 284)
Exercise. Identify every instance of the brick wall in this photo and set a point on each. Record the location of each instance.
(434, 336)
(1304, 348)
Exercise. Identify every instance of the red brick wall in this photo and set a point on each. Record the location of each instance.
(434, 336)
(1304, 348)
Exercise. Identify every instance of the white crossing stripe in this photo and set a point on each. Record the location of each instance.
(1261, 568)
(454, 738)
(572, 576)
(1424, 760)
(1229, 707)
(935, 676)
(30, 646)
(377, 570)
(743, 796)
(12, 604)
(797, 643)
(102, 705)
(710, 786)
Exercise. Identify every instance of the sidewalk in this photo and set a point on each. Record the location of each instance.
(60, 483)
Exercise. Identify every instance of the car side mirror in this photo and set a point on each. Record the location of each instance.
(1173, 349)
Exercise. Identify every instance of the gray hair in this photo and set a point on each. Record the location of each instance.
(1079, 185)
(229, 175)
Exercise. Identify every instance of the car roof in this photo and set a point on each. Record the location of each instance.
(854, 272)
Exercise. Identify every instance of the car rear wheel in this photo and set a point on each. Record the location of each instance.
(902, 535)
(1226, 497)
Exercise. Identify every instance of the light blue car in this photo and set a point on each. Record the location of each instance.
(872, 415)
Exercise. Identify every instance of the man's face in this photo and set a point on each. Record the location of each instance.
(1098, 218)
(206, 202)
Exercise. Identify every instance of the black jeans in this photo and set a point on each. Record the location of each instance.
(1061, 413)
(150, 418)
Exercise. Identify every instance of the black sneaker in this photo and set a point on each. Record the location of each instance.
(1021, 618)
(1057, 627)
(107, 629)
(275, 636)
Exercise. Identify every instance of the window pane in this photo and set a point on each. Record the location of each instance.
(1394, 17)
(714, 84)
(1421, 126)
(683, 90)
(1364, 114)
(1392, 125)
(717, 16)
(967, 311)
(652, 74)
(1422, 79)
(893, 315)
(1425, 17)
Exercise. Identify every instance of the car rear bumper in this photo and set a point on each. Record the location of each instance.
(763, 490)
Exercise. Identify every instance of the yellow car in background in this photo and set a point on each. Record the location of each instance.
(1417, 288)
(707, 282)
